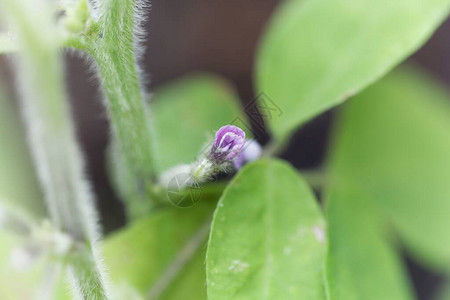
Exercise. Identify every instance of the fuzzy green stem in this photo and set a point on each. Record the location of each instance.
(49, 124)
(113, 49)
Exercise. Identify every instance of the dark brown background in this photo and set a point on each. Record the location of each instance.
(218, 36)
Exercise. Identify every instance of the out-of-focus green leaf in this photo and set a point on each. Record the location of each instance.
(137, 257)
(191, 283)
(444, 292)
(318, 53)
(360, 262)
(7, 44)
(187, 113)
(19, 278)
(268, 237)
(19, 189)
(393, 141)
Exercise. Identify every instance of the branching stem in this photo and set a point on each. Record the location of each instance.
(52, 139)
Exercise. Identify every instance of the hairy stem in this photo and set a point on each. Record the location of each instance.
(114, 51)
(49, 124)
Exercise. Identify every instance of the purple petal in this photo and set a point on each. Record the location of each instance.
(228, 143)
(251, 151)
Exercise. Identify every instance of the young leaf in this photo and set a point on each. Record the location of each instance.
(393, 141)
(360, 262)
(318, 53)
(147, 255)
(189, 110)
(268, 237)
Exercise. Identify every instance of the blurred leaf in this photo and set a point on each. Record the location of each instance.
(268, 237)
(19, 188)
(188, 112)
(7, 44)
(138, 256)
(18, 280)
(393, 141)
(444, 292)
(190, 284)
(360, 262)
(318, 53)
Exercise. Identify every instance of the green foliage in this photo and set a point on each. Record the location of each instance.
(7, 44)
(140, 256)
(361, 264)
(316, 54)
(393, 142)
(16, 283)
(268, 237)
(444, 292)
(389, 162)
(187, 113)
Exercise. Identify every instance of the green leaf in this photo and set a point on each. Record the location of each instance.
(444, 292)
(268, 237)
(140, 256)
(318, 53)
(19, 188)
(360, 263)
(393, 141)
(17, 282)
(7, 44)
(187, 113)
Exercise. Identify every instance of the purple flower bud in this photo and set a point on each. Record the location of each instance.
(228, 144)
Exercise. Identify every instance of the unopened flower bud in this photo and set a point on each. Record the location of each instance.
(228, 144)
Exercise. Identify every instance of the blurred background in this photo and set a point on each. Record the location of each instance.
(220, 37)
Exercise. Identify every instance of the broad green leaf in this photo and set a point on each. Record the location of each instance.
(187, 113)
(268, 237)
(190, 284)
(393, 140)
(360, 263)
(138, 256)
(19, 189)
(317, 53)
